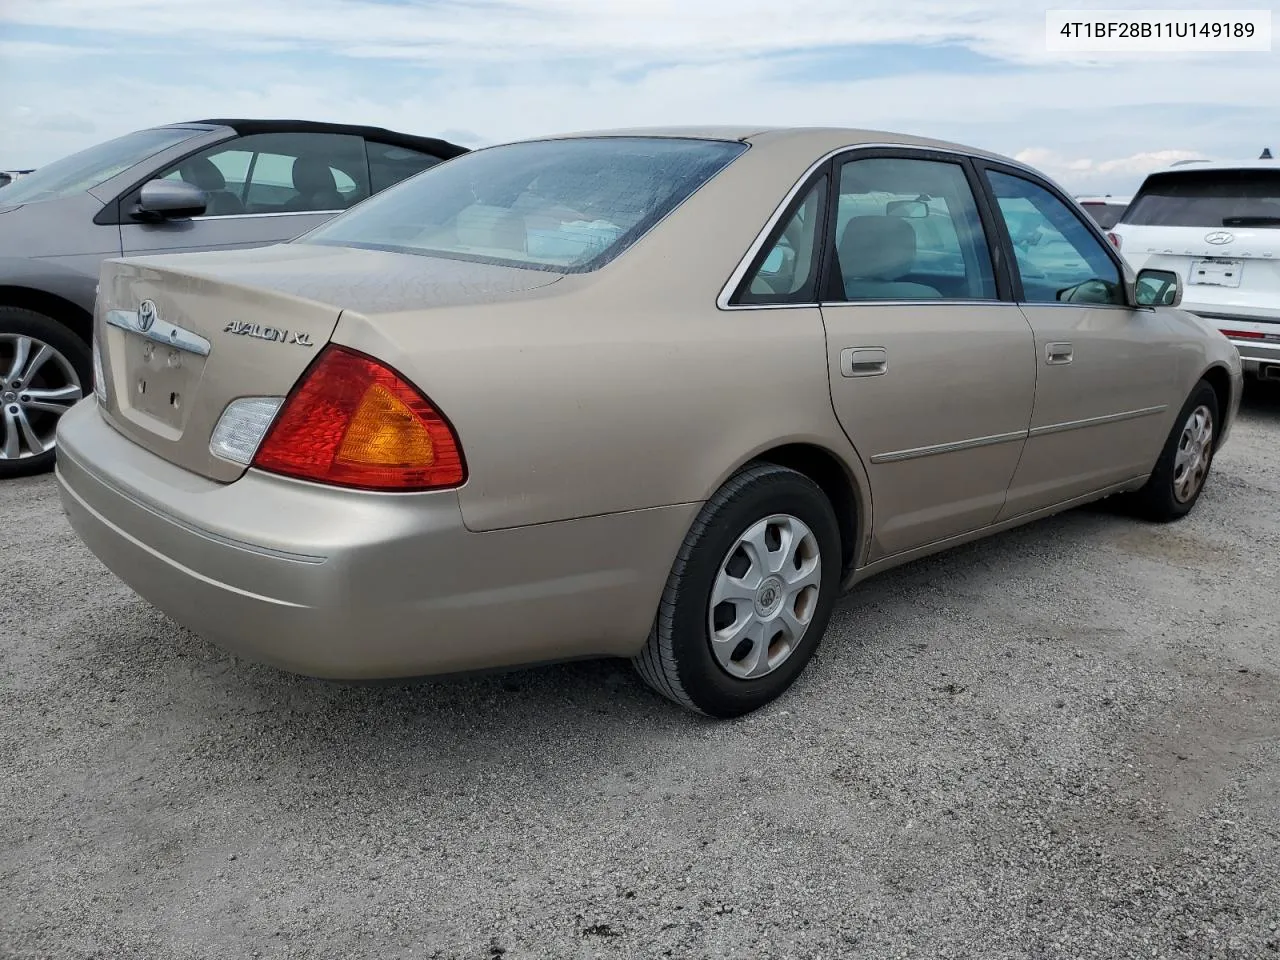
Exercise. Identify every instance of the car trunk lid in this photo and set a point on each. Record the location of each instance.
(182, 336)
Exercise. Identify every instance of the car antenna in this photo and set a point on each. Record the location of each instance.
(1266, 154)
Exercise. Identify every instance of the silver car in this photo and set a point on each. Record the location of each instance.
(203, 185)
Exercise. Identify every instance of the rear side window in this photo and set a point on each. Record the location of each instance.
(1208, 198)
(788, 272)
(567, 206)
(909, 229)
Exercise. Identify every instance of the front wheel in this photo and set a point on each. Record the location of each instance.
(749, 595)
(45, 369)
(1180, 474)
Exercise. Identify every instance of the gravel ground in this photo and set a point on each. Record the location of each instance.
(1063, 742)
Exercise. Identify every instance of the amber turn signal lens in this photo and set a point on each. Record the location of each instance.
(354, 422)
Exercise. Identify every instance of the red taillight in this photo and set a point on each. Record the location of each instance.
(1115, 239)
(353, 422)
(1244, 334)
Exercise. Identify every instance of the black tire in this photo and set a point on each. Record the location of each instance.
(1158, 500)
(20, 322)
(677, 660)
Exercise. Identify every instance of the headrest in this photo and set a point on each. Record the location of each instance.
(312, 175)
(202, 172)
(877, 248)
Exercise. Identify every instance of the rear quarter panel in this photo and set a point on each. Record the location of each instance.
(627, 388)
(612, 406)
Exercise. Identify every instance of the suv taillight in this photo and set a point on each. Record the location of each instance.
(354, 422)
(1115, 239)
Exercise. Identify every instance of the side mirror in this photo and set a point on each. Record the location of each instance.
(1157, 288)
(170, 199)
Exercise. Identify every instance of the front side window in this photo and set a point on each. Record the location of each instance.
(1208, 199)
(561, 205)
(788, 272)
(1059, 258)
(279, 173)
(85, 170)
(909, 229)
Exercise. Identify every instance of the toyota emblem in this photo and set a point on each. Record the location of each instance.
(1219, 237)
(146, 315)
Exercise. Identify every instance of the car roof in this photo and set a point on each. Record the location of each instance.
(820, 138)
(433, 145)
(1191, 166)
(818, 135)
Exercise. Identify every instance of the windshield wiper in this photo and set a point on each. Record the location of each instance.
(1251, 221)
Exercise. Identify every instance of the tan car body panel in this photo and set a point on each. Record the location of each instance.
(352, 585)
(903, 421)
(596, 413)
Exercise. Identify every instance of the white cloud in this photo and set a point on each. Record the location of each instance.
(42, 52)
(513, 68)
(500, 30)
(1119, 169)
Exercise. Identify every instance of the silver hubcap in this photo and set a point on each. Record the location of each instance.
(1195, 448)
(37, 386)
(764, 596)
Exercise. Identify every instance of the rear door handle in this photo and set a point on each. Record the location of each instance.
(864, 362)
(1057, 353)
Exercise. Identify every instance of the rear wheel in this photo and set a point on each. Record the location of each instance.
(1180, 474)
(45, 369)
(749, 595)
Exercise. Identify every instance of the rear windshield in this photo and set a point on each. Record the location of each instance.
(567, 206)
(1208, 198)
(1105, 215)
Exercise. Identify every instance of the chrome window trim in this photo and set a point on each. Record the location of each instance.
(928, 301)
(277, 213)
(162, 331)
(1057, 304)
(740, 271)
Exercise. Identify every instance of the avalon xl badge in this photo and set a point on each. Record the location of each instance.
(257, 330)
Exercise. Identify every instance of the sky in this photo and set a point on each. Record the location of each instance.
(76, 72)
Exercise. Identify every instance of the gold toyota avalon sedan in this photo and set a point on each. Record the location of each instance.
(655, 394)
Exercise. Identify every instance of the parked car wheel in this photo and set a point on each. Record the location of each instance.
(749, 595)
(1183, 467)
(44, 370)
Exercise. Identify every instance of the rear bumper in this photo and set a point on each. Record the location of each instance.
(352, 585)
(1258, 354)
(1259, 359)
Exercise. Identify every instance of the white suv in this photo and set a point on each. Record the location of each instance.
(1217, 225)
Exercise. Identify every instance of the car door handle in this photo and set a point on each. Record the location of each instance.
(864, 362)
(1057, 353)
